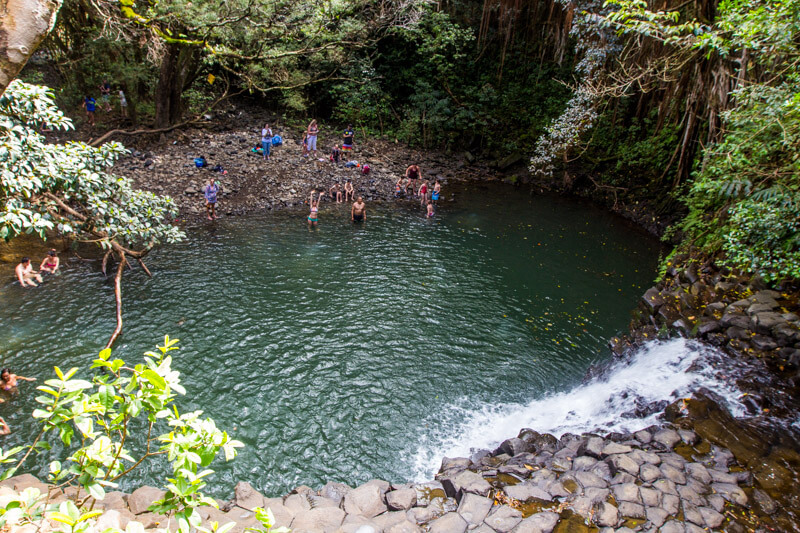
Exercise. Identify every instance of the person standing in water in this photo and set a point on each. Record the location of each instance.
(266, 141)
(313, 215)
(430, 209)
(437, 190)
(210, 193)
(358, 213)
(50, 263)
(25, 273)
(423, 193)
(313, 131)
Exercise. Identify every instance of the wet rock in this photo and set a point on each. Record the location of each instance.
(740, 321)
(612, 448)
(643, 436)
(767, 504)
(449, 523)
(692, 514)
(711, 518)
(503, 519)
(649, 473)
(698, 472)
(584, 463)
(474, 508)
(142, 498)
(606, 515)
(561, 464)
(720, 476)
(401, 500)
(732, 493)
(691, 496)
(650, 497)
(673, 526)
(652, 298)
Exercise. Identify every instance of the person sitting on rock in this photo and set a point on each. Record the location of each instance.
(349, 191)
(336, 193)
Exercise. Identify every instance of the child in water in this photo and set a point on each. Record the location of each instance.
(430, 209)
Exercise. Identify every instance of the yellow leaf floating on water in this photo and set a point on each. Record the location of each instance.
(211, 79)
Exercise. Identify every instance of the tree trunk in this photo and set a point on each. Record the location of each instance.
(176, 74)
(23, 26)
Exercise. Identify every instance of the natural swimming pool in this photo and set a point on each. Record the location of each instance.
(340, 353)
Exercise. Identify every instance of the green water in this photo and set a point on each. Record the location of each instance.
(337, 353)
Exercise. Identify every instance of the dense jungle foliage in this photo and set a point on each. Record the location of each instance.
(689, 108)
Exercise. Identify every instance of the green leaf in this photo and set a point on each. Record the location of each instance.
(154, 379)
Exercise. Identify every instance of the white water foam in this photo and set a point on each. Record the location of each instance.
(658, 371)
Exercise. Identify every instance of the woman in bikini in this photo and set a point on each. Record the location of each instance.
(313, 215)
(50, 263)
(8, 381)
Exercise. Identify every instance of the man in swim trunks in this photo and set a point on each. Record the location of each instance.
(413, 174)
(26, 274)
(210, 192)
(359, 211)
(437, 190)
(347, 136)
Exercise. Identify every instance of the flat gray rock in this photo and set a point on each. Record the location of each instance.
(670, 503)
(643, 436)
(673, 474)
(588, 479)
(466, 481)
(584, 462)
(581, 505)
(503, 519)
(474, 508)
(366, 500)
(719, 476)
(666, 486)
(673, 526)
(449, 523)
(650, 497)
(327, 519)
(623, 463)
(690, 496)
(612, 448)
(606, 515)
(335, 491)
(711, 517)
(542, 522)
(656, 515)
(597, 495)
(627, 492)
(692, 514)
(698, 472)
(667, 438)
(401, 500)
(632, 510)
(593, 446)
(526, 491)
(649, 473)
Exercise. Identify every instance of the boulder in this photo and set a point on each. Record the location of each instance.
(539, 522)
(366, 500)
(627, 492)
(246, 497)
(588, 479)
(732, 493)
(474, 508)
(649, 473)
(401, 500)
(327, 519)
(452, 466)
(606, 515)
(668, 438)
(513, 446)
(632, 510)
(449, 523)
(592, 446)
(526, 491)
(504, 518)
(466, 481)
(622, 463)
(335, 491)
(142, 498)
(656, 516)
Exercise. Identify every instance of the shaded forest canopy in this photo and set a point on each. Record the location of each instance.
(689, 107)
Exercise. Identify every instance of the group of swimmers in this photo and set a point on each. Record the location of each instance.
(428, 197)
(358, 211)
(28, 277)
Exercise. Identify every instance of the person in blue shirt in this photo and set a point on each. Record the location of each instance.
(89, 105)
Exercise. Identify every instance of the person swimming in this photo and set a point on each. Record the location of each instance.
(8, 381)
(430, 209)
